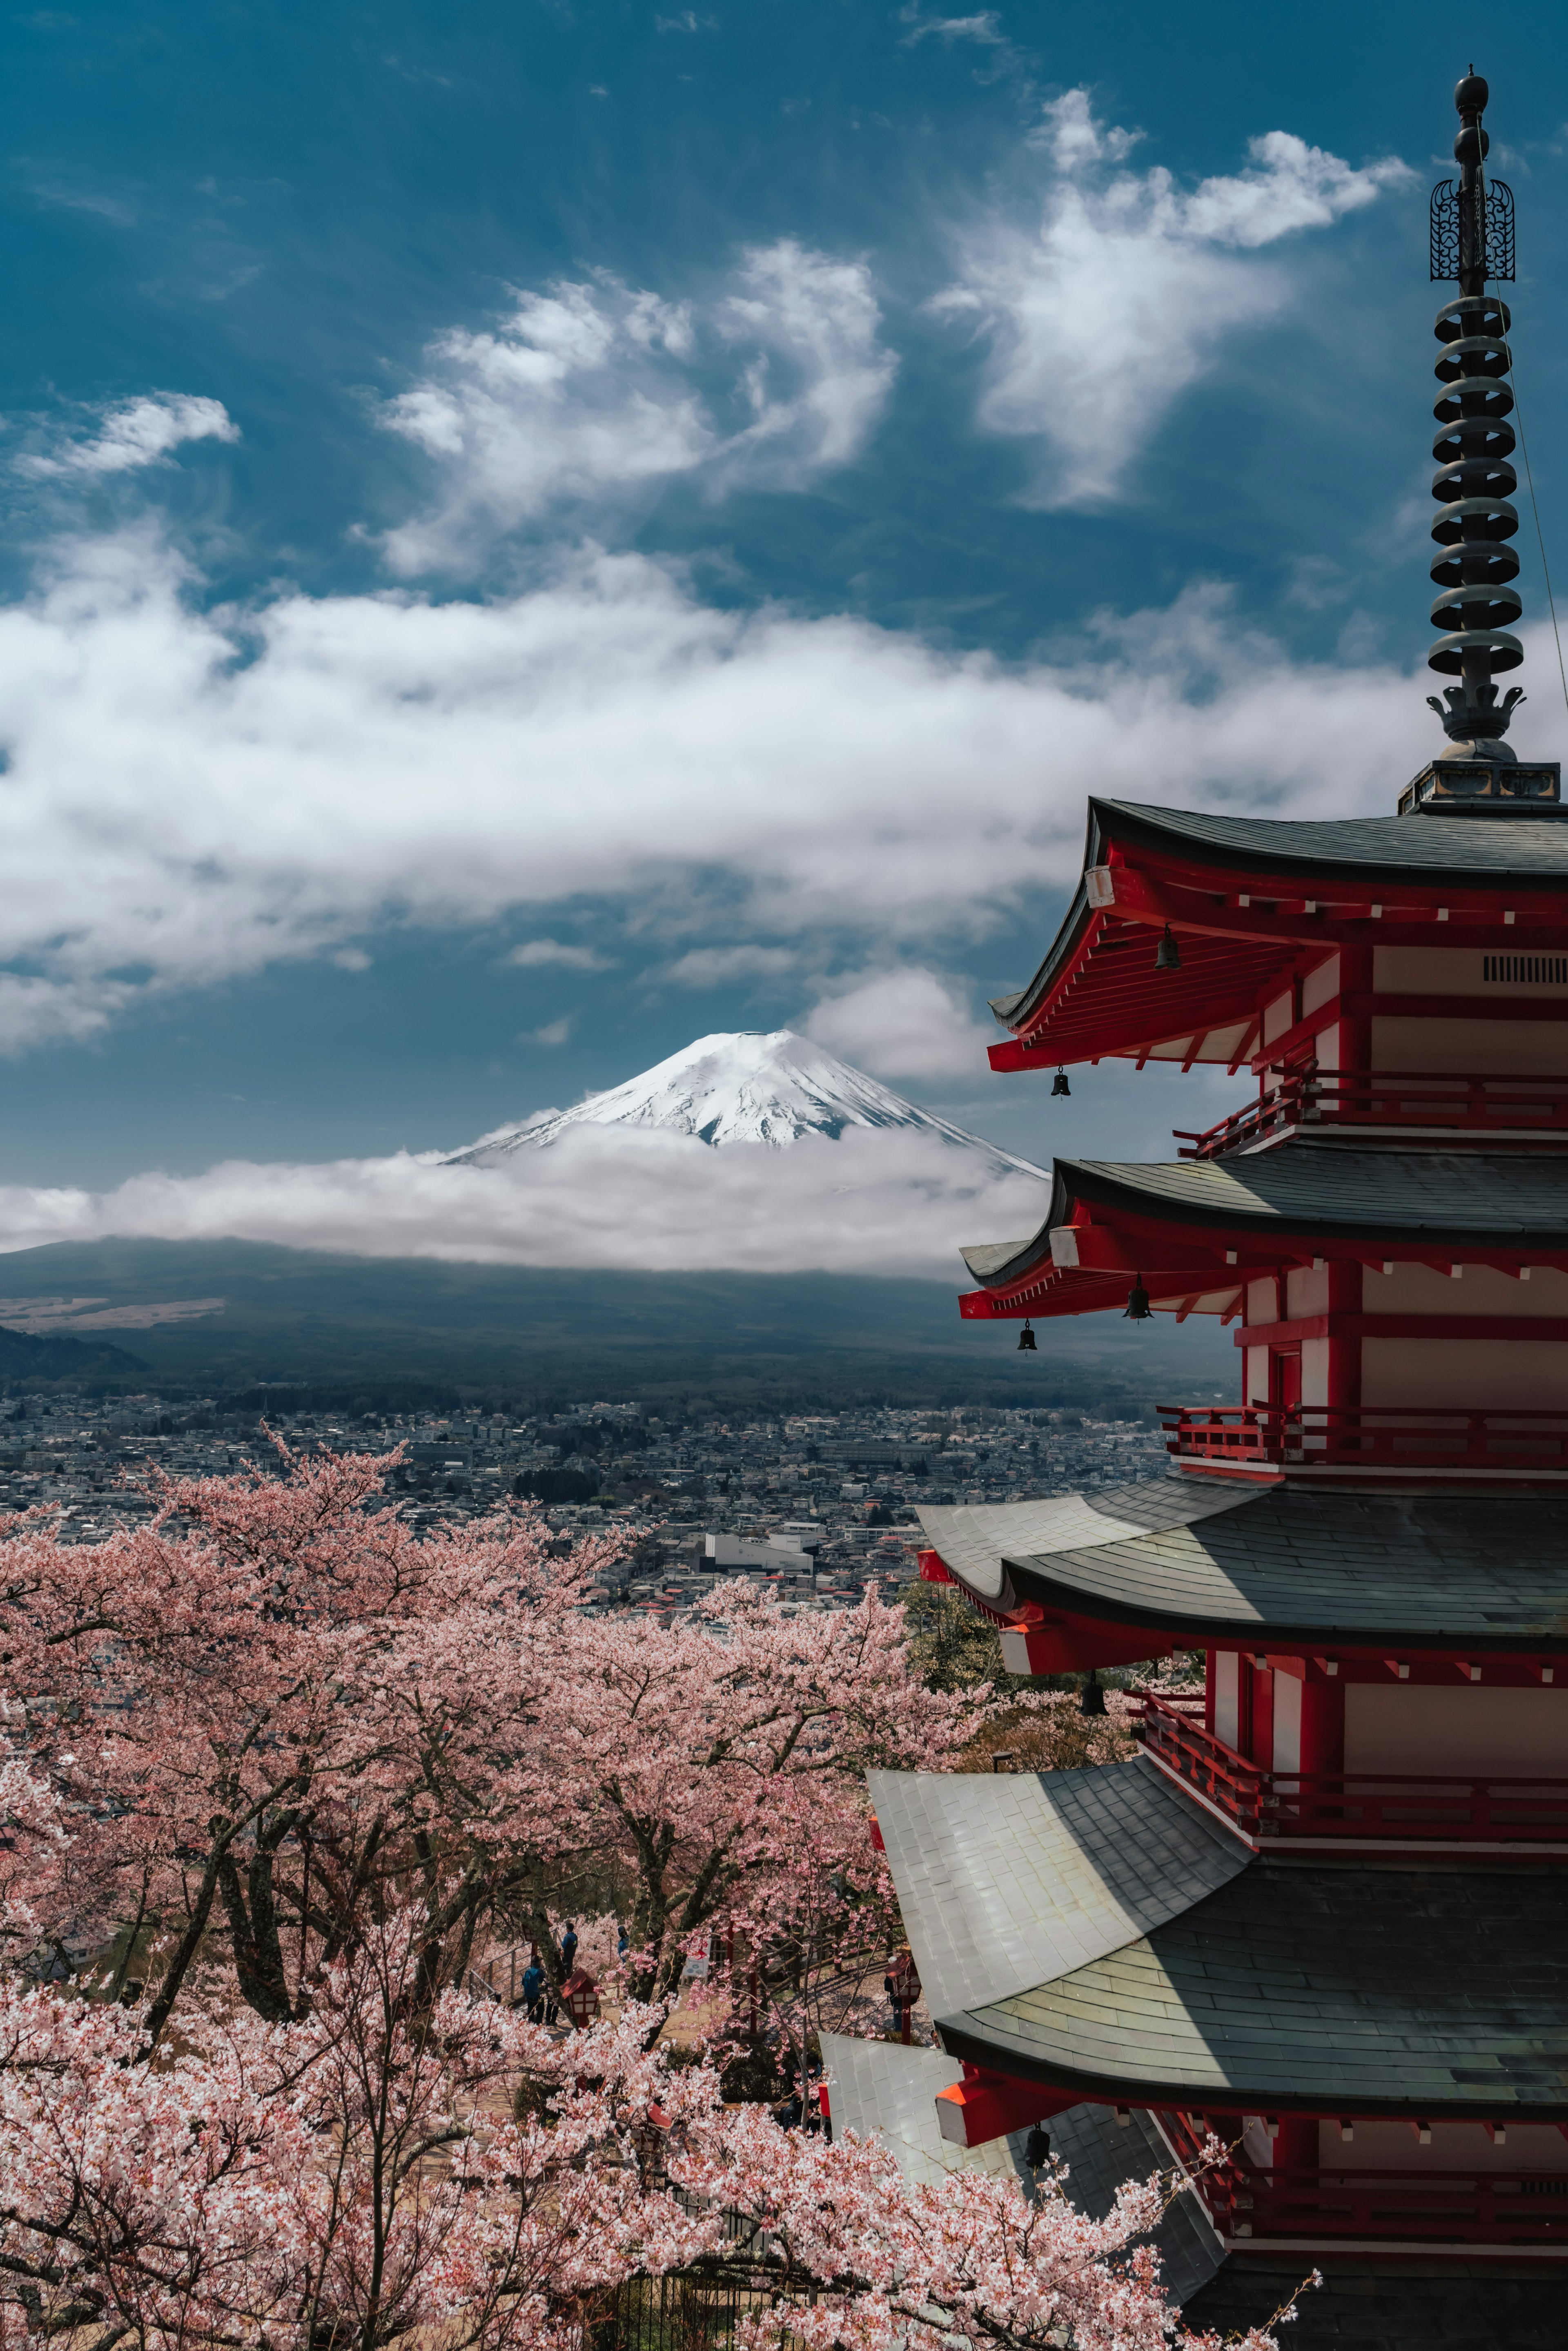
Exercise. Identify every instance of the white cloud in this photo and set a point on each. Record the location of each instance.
(138, 433)
(594, 390)
(554, 1033)
(1111, 298)
(195, 794)
(717, 967)
(816, 376)
(910, 1022)
(351, 959)
(872, 1202)
(534, 953)
(986, 27)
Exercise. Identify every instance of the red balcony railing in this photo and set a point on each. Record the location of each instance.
(1368, 1436)
(1319, 2205)
(1488, 1808)
(1387, 1099)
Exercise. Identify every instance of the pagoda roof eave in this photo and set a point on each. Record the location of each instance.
(1311, 1989)
(1203, 1563)
(1169, 1219)
(1096, 1930)
(1084, 1003)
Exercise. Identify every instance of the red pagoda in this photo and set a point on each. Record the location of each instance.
(1325, 1915)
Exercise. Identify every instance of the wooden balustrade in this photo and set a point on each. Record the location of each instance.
(1386, 1098)
(1492, 1807)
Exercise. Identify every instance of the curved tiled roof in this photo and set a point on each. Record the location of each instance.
(1002, 1880)
(1355, 1989)
(1526, 852)
(1297, 1563)
(1509, 848)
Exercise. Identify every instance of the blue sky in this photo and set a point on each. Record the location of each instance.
(537, 531)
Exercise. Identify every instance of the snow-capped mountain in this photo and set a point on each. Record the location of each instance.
(745, 1086)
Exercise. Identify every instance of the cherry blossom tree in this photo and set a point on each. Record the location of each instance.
(274, 1713)
(273, 1709)
(384, 2169)
(316, 1761)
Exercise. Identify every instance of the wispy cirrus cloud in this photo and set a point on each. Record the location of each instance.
(594, 389)
(1107, 292)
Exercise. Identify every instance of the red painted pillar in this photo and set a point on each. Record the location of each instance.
(1262, 1749)
(1345, 1353)
(1355, 970)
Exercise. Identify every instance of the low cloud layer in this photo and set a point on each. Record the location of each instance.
(194, 794)
(872, 1202)
(1104, 307)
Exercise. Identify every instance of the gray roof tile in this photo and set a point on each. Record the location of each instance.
(1359, 1988)
(1194, 1556)
(1004, 1879)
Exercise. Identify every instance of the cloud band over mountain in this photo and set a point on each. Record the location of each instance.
(643, 1200)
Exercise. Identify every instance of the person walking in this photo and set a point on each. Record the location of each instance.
(568, 1950)
(902, 1985)
(533, 2000)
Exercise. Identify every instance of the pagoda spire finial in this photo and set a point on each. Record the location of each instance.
(1472, 241)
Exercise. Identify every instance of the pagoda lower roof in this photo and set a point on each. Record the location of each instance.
(1205, 1561)
(1091, 1931)
(1245, 896)
(878, 2088)
(1299, 1200)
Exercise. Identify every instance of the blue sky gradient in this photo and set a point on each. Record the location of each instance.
(898, 418)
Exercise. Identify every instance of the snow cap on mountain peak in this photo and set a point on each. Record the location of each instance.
(768, 1086)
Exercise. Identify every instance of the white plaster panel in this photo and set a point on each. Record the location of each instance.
(1451, 971)
(1277, 1017)
(1328, 1047)
(1502, 1049)
(1256, 1374)
(1228, 1697)
(1306, 1291)
(1287, 1723)
(1456, 2147)
(1425, 1727)
(1322, 985)
(1315, 1371)
(1480, 1290)
(1263, 1300)
(1496, 1373)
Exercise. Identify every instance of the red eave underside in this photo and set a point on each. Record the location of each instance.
(1110, 998)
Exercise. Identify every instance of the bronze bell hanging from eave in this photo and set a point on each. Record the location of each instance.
(1167, 955)
(1137, 1309)
(1026, 1342)
(1059, 1084)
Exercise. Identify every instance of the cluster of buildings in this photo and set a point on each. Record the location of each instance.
(813, 1507)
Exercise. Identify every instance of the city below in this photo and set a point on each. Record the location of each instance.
(813, 1507)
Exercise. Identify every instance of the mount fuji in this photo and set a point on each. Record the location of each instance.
(768, 1086)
